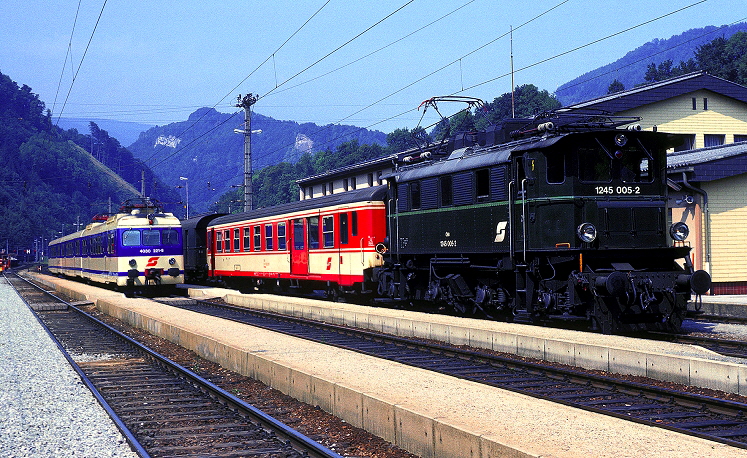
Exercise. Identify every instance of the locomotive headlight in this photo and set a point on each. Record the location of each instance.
(133, 263)
(586, 232)
(621, 140)
(172, 261)
(679, 231)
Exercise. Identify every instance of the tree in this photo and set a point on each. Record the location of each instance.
(615, 86)
(528, 101)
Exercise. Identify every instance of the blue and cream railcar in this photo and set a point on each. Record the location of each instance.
(139, 247)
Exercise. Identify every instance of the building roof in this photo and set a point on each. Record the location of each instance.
(712, 163)
(662, 90)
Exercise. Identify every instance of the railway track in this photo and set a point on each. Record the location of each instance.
(162, 408)
(697, 415)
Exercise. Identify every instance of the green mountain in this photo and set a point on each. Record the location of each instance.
(49, 180)
(630, 70)
(210, 155)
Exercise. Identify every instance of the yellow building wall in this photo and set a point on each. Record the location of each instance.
(724, 116)
(728, 214)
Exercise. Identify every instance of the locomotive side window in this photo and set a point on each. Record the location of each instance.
(415, 195)
(447, 191)
(594, 165)
(131, 238)
(247, 238)
(257, 238)
(236, 240)
(313, 232)
(482, 183)
(555, 167)
(268, 237)
(344, 228)
(328, 231)
(281, 237)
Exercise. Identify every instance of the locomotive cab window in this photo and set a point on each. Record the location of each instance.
(594, 165)
(151, 237)
(482, 184)
(170, 237)
(555, 167)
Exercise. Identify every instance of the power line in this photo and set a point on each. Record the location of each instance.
(81, 60)
(68, 53)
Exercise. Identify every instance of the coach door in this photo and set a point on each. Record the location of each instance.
(211, 250)
(299, 248)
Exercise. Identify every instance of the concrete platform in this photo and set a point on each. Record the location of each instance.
(431, 415)
(726, 306)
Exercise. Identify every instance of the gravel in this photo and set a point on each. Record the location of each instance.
(46, 409)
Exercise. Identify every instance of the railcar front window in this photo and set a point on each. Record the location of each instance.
(131, 238)
(594, 165)
(170, 237)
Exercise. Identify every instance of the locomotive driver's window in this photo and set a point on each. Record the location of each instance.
(555, 167)
(594, 165)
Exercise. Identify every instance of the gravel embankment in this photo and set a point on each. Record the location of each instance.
(45, 408)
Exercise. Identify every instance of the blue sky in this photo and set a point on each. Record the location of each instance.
(157, 61)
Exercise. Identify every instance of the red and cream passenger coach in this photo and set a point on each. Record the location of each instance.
(323, 243)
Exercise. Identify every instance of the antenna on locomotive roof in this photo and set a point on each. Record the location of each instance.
(513, 106)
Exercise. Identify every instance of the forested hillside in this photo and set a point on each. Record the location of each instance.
(206, 150)
(630, 70)
(48, 180)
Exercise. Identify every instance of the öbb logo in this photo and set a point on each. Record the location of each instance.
(152, 262)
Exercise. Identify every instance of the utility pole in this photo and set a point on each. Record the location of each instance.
(513, 105)
(246, 103)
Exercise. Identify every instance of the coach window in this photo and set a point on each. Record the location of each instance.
(555, 167)
(281, 237)
(218, 241)
(415, 195)
(227, 241)
(247, 239)
(344, 228)
(447, 191)
(268, 237)
(257, 232)
(482, 183)
(236, 240)
(313, 232)
(131, 238)
(298, 238)
(328, 230)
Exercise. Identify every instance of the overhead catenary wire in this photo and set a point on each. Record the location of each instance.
(75, 76)
(67, 54)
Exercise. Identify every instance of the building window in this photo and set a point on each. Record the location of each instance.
(705, 103)
(324, 189)
(353, 184)
(370, 179)
(345, 184)
(310, 192)
(378, 177)
(740, 138)
(695, 103)
(713, 140)
(331, 188)
(688, 143)
(328, 231)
